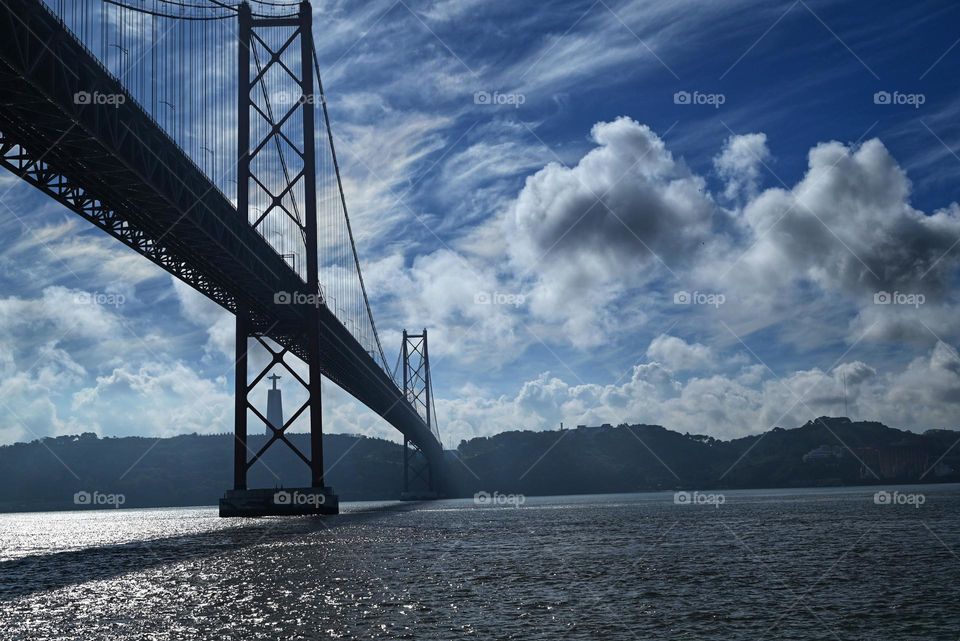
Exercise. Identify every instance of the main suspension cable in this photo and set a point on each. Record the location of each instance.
(343, 201)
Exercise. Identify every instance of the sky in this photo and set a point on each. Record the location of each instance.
(719, 217)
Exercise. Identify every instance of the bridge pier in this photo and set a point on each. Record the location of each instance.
(242, 501)
(420, 483)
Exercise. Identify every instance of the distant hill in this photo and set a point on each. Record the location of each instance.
(824, 451)
(195, 470)
(183, 470)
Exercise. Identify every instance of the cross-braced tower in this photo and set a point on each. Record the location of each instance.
(418, 475)
(276, 193)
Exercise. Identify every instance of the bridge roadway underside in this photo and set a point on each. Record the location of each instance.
(115, 167)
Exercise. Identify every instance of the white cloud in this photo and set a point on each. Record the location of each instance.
(461, 302)
(741, 163)
(580, 268)
(677, 354)
(379, 162)
(68, 313)
(219, 323)
(71, 251)
(848, 226)
(925, 394)
(156, 399)
(54, 344)
(845, 230)
(589, 233)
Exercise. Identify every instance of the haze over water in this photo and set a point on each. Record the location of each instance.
(777, 564)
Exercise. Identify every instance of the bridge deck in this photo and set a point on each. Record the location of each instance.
(113, 165)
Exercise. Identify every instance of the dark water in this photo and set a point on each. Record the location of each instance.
(808, 564)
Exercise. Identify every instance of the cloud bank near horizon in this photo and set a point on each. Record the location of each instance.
(603, 249)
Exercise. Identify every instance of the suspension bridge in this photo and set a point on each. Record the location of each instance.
(196, 133)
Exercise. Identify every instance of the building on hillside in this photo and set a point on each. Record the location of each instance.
(824, 453)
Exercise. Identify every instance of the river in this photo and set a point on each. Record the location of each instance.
(841, 563)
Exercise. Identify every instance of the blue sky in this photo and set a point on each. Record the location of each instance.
(546, 157)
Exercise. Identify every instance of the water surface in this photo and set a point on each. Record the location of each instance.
(800, 564)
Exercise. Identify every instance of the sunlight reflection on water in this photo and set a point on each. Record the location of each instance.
(805, 564)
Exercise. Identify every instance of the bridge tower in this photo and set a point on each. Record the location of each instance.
(276, 189)
(419, 476)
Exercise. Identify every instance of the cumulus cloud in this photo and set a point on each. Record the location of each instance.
(582, 256)
(924, 394)
(463, 303)
(741, 163)
(585, 234)
(27, 406)
(582, 242)
(219, 324)
(618, 202)
(630, 218)
(157, 399)
(677, 354)
(848, 226)
(52, 387)
(846, 232)
(847, 229)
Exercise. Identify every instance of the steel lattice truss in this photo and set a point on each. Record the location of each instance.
(416, 374)
(279, 131)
